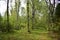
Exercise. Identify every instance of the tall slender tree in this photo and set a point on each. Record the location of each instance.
(35, 7)
(28, 15)
(8, 15)
(51, 14)
(33, 13)
(17, 6)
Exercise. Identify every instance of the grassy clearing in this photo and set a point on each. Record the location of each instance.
(24, 35)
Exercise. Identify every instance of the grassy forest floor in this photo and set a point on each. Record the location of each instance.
(24, 35)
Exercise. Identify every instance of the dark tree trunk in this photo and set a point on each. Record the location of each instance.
(8, 15)
(28, 15)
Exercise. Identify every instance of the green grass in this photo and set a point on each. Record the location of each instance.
(24, 35)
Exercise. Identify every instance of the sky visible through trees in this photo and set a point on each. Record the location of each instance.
(3, 5)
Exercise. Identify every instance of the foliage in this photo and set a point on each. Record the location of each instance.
(34, 18)
(18, 22)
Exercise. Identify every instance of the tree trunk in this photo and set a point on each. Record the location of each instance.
(17, 5)
(28, 15)
(8, 15)
(33, 14)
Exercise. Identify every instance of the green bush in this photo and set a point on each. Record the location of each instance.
(4, 26)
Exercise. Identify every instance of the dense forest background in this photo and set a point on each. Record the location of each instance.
(29, 20)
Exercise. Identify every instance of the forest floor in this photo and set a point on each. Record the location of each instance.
(24, 35)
